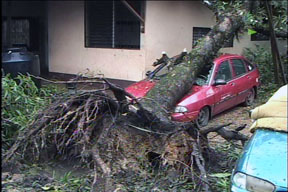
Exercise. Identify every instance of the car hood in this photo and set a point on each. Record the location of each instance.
(141, 88)
(265, 157)
(196, 94)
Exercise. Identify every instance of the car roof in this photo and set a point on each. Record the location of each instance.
(227, 56)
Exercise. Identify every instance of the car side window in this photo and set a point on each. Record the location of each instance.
(239, 67)
(224, 71)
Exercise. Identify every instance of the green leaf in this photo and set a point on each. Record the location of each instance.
(19, 112)
(46, 188)
(17, 98)
(251, 31)
(220, 175)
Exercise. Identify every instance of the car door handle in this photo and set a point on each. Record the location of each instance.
(232, 84)
(225, 97)
(248, 77)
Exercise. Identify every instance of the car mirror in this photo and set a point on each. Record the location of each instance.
(148, 73)
(219, 82)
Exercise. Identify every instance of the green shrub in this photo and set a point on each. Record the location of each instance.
(263, 59)
(21, 100)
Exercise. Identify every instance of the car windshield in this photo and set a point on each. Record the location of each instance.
(202, 79)
(161, 71)
(204, 76)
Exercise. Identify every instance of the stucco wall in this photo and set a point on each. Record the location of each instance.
(245, 42)
(168, 27)
(67, 53)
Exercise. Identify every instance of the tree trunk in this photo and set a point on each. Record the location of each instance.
(160, 100)
(274, 48)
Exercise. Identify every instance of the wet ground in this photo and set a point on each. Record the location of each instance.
(238, 115)
(47, 177)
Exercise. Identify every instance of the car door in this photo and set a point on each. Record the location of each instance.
(242, 79)
(224, 94)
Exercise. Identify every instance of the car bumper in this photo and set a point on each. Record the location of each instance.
(185, 117)
(237, 189)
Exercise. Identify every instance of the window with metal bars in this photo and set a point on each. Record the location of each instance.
(110, 24)
(199, 32)
(19, 31)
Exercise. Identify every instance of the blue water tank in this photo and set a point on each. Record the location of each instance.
(17, 60)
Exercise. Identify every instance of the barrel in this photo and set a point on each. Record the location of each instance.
(20, 60)
(17, 60)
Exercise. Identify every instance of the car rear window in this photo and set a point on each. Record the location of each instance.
(239, 67)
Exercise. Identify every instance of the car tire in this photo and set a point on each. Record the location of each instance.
(203, 117)
(250, 98)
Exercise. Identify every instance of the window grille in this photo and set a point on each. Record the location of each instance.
(109, 24)
(199, 32)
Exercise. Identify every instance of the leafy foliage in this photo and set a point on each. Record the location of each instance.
(69, 182)
(263, 59)
(258, 17)
(21, 99)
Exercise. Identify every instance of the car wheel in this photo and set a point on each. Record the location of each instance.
(203, 117)
(250, 98)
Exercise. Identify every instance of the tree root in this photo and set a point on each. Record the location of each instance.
(92, 124)
(200, 162)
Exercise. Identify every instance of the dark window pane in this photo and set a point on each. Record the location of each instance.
(19, 32)
(110, 24)
(229, 42)
(224, 72)
(259, 37)
(98, 23)
(199, 32)
(239, 67)
(127, 27)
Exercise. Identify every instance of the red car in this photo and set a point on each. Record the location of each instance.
(228, 81)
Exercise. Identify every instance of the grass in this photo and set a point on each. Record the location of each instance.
(21, 100)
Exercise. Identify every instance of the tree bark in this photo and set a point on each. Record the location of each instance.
(160, 100)
(274, 48)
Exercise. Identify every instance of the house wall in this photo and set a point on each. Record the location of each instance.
(168, 27)
(67, 53)
(245, 42)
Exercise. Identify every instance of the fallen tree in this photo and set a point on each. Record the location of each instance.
(161, 99)
(98, 127)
